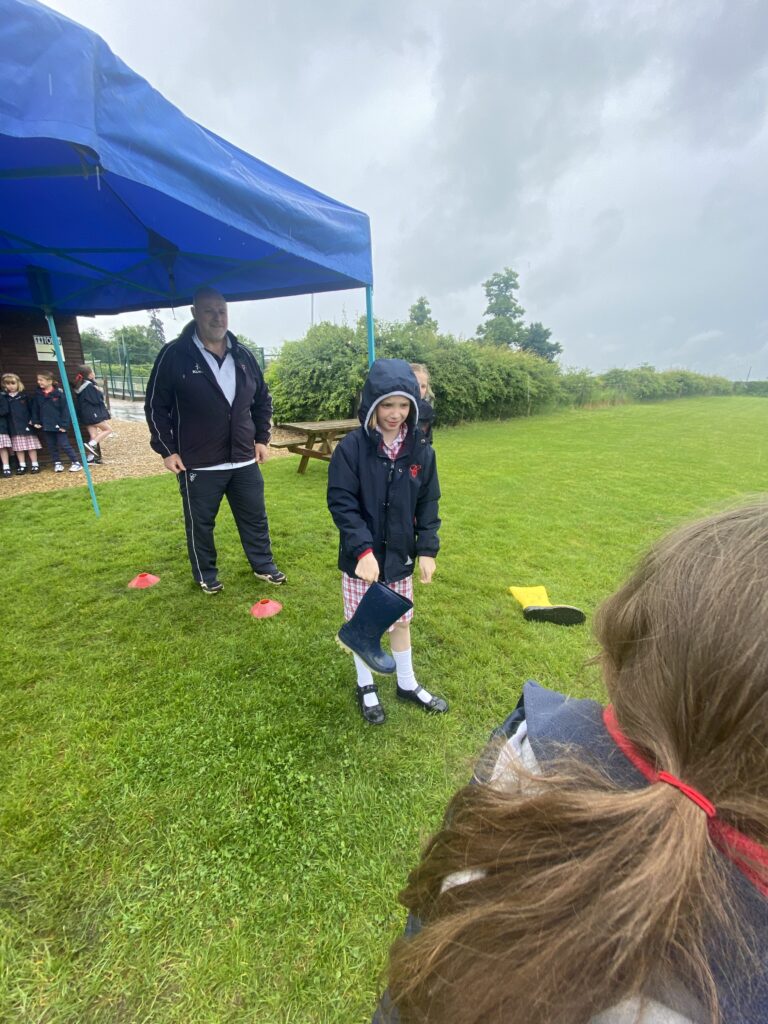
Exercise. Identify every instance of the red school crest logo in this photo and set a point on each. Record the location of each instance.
(414, 471)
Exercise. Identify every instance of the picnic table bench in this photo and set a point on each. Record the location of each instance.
(315, 440)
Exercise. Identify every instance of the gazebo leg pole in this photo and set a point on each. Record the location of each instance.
(72, 411)
(369, 317)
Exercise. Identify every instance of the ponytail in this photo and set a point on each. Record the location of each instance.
(582, 894)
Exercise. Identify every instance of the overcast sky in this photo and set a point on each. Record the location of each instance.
(613, 152)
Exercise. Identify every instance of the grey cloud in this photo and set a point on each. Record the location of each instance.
(612, 151)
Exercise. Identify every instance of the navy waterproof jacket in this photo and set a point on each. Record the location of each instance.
(188, 413)
(19, 414)
(5, 413)
(388, 506)
(51, 410)
(426, 419)
(91, 407)
(556, 723)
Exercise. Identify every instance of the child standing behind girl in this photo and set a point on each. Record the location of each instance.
(383, 495)
(23, 438)
(91, 409)
(51, 415)
(426, 411)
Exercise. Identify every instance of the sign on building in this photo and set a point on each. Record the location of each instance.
(44, 348)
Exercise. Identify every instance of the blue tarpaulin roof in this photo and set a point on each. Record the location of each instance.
(111, 199)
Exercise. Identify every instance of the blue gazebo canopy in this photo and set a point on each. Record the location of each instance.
(111, 199)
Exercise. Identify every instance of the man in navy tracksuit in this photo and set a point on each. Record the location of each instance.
(209, 414)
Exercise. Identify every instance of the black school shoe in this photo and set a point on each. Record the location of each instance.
(215, 587)
(436, 705)
(558, 614)
(374, 715)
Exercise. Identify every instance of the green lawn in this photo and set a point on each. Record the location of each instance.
(195, 824)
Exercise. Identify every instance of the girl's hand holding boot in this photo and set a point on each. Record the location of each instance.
(367, 568)
(427, 567)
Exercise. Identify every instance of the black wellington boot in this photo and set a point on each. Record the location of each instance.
(379, 608)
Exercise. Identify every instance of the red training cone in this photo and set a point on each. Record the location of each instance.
(265, 608)
(144, 580)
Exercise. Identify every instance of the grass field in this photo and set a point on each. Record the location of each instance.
(196, 824)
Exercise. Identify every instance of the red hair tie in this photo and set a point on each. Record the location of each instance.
(747, 855)
(693, 794)
(630, 751)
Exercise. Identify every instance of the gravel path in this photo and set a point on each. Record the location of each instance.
(126, 454)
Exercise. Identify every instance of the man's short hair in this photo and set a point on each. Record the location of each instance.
(204, 291)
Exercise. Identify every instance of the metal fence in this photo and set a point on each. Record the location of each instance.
(120, 381)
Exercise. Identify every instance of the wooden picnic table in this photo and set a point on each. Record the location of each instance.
(316, 440)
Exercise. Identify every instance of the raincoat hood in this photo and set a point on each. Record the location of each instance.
(389, 377)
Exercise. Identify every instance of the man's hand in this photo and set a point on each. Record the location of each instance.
(367, 568)
(427, 566)
(174, 464)
(261, 451)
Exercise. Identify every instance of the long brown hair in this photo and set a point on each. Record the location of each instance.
(585, 894)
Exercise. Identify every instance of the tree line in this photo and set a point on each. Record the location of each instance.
(509, 369)
(137, 344)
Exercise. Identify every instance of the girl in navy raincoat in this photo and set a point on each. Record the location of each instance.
(383, 495)
(91, 409)
(23, 438)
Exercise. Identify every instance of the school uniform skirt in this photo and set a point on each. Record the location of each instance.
(5, 440)
(25, 442)
(353, 589)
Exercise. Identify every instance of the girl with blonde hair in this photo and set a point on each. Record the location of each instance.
(22, 437)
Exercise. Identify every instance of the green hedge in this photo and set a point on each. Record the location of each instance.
(321, 376)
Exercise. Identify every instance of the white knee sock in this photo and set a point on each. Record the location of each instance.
(406, 680)
(365, 678)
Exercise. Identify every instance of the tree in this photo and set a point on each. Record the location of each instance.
(138, 343)
(504, 314)
(535, 339)
(319, 377)
(257, 350)
(94, 343)
(156, 327)
(420, 314)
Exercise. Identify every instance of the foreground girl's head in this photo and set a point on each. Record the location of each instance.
(11, 382)
(685, 654)
(587, 893)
